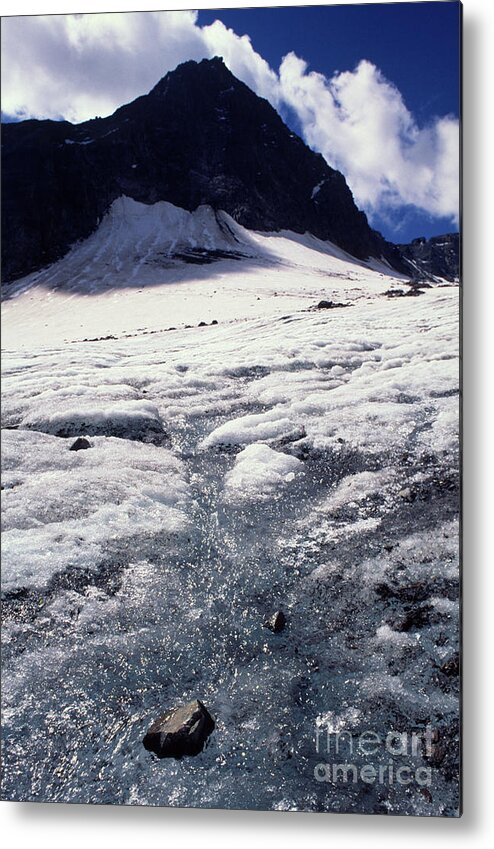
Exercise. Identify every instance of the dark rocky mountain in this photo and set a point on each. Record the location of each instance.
(435, 257)
(199, 137)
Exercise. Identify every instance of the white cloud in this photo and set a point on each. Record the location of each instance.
(79, 66)
(243, 61)
(360, 124)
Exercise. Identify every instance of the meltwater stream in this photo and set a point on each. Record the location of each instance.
(359, 550)
(163, 622)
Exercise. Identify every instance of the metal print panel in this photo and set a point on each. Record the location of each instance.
(230, 444)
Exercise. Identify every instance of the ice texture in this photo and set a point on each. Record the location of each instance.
(286, 458)
(63, 509)
(260, 473)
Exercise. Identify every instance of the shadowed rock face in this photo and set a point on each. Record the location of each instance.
(199, 137)
(435, 257)
(181, 731)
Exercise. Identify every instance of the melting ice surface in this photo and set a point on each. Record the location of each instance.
(286, 458)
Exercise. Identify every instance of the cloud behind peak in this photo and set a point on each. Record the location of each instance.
(79, 66)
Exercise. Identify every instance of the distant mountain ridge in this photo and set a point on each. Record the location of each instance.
(200, 137)
(437, 257)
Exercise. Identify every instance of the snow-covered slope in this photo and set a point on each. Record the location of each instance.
(287, 457)
(164, 253)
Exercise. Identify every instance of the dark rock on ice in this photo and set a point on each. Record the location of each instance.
(295, 436)
(80, 444)
(106, 575)
(100, 338)
(439, 754)
(384, 590)
(180, 731)
(417, 617)
(414, 290)
(329, 305)
(418, 591)
(446, 484)
(276, 622)
(452, 667)
(140, 428)
(445, 751)
(410, 593)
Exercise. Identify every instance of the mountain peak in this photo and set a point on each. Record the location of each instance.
(201, 136)
(214, 62)
(186, 72)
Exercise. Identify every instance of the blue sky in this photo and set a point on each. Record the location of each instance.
(416, 45)
(374, 88)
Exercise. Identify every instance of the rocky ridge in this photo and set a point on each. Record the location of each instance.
(199, 137)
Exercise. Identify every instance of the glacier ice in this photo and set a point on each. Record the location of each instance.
(138, 574)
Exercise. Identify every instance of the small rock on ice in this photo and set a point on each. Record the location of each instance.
(276, 622)
(80, 444)
(180, 731)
